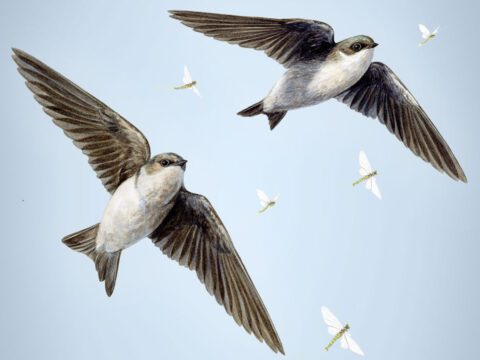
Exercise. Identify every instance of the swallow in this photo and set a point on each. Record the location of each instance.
(148, 199)
(319, 69)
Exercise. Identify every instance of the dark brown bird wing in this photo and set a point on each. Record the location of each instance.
(194, 235)
(285, 40)
(115, 148)
(380, 94)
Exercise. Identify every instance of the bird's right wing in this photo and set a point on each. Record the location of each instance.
(380, 94)
(194, 235)
(285, 40)
(425, 32)
(115, 148)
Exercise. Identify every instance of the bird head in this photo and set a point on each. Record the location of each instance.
(170, 162)
(356, 44)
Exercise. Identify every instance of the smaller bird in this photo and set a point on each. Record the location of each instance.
(339, 331)
(426, 34)
(368, 175)
(265, 201)
(148, 199)
(188, 83)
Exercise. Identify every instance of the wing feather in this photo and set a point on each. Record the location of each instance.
(194, 235)
(396, 107)
(285, 40)
(115, 148)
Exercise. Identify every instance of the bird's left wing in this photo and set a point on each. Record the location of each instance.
(194, 235)
(285, 40)
(380, 94)
(115, 148)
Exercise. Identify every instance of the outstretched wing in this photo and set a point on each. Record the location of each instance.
(365, 167)
(195, 90)
(264, 199)
(115, 148)
(194, 235)
(187, 78)
(425, 32)
(380, 94)
(285, 40)
(375, 189)
(435, 31)
(333, 324)
(346, 342)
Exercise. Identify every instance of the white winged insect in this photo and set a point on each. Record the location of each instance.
(367, 175)
(265, 201)
(426, 34)
(188, 82)
(339, 331)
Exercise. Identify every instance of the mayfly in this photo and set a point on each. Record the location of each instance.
(367, 175)
(265, 201)
(426, 34)
(339, 331)
(188, 83)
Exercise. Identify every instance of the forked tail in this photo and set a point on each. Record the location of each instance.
(106, 263)
(274, 118)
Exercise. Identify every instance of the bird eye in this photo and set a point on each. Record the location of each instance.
(165, 163)
(356, 47)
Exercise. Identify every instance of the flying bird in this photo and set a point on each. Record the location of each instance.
(426, 34)
(319, 69)
(368, 175)
(265, 201)
(148, 199)
(339, 331)
(188, 82)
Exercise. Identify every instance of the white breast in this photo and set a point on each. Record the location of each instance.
(336, 76)
(137, 207)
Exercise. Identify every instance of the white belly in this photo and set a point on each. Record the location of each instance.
(309, 84)
(135, 210)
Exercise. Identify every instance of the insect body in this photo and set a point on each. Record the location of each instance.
(365, 178)
(339, 331)
(265, 201)
(368, 175)
(426, 34)
(188, 82)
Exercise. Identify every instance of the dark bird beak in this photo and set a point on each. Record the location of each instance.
(181, 163)
(374, 45)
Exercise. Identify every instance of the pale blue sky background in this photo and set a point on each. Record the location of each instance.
(402, 271)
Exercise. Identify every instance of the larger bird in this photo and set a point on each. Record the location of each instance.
(148, 199)
(319, 69)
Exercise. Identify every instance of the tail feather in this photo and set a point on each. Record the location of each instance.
(256, 109)
(275, 118)
(106, 263)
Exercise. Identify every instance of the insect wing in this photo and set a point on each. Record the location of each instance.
(425, 32)
(187, 78)
(364, 163)
(435, 31)
(195, 90)
(368, 184)
(262, 196)
(334, 325)
(375, 189)
(347, 342)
